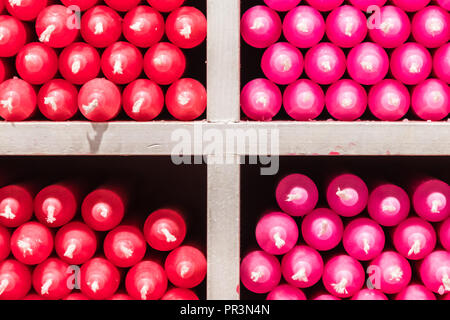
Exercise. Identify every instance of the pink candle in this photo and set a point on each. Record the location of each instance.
(430, 26)
(261, 100)
(101, 26)
(58, 100)
(369, 294)
(99, 100)
(13, 36)
(368, 63)
(120, 5)
(143, 100)
(180, 294)
(146, 281)
(260, 27)
(297, 195)
(286, 292)
(99, 279)
(104, 208)
(260, 272)
(322, 229)
(388, 205)
(346, 100)
(411, 63)
(444, 4)
(79, 63)
(324, 296)
(441, 63)
(186, 99)
(186, 27)
(32, 243)
(282, 63)
(347, 195)
(394, 27)
(51, 278)
(143, 26)
(325, 5)
(25, 10)
(83, 4)
(415, 292)
(346, 26)
(57, 204)
(37, 63)
(430, 100)
(304, 27)
(343, 276)
(53, 26)
(414, 238)
(75, 243)
(389, 272)
(16, 204)
(5, 238)
(411, 6)
(302, 267)
(365, 4)
(164, 63)
(431, 199)
(363, 239)
(444, 234)
(186, 267)
(282, 5)
(165, 6)
(276, 233)
(165, 230)
(435, 272)
(122, 63)
(304, 100)
(15, 280)
(389, 100)
(124, 246)
(325, 63)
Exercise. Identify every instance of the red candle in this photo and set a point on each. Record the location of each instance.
(186, 267)
(346, 100)
(164, 63)
(120, 5)
(302, 267)
(431, 199)
(165, 230)
(57, 204)
(435, 272)
(146, 281)
(286, 292)
(186, 27)
(186, 99)
(143, 100)
(165, 6)
(363, 239)
(5, 238)
(37, 63)
(17, 100)
(26, 10)
(414, 238)
(260, 272)
(104, 208)
(388, 205)
(124, 246)
(76, 296)
(99, 279)
(13, 36)
(99, 100)
(75, 243)
(431, 100)
(79, 63)
(32, 243)
(58, 100)
(101, 26)
(180, 294)
(50, 279)
(347, 195)
(15, 280)
(122, 63)
(16, 204)
(343, 276)
(53, 28)
(82, 4)
(322, 229)
(143, 26)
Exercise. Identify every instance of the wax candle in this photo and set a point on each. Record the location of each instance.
(51, 278)
(363, 239)
(146, 281)
(302, 267)
(99, 279)
(322, 229)
(388, 204)
(260, 272)
(58, 100)
(276, 233)
(143, 26)
(79, 63)
(75, 243)
(124, 246)
(32, 243)
(143, 100)
(101, 26)
(260, 27)
(343, 276)
(186, 267)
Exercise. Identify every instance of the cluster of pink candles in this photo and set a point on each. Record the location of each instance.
(56, 255)
(52, 60)
(398, 59)
(368, 245)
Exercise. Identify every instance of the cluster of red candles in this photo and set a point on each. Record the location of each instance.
(57, 255)
(403, 249)
(52, 57)
(393, 59)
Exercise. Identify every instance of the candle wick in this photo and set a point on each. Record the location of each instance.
(70, 250)
(8, 214)
(366, 245)
(91, 106)
(184, 98)
(52, 102)
(128, 252)
(324, 228)
(138, 105)
(76, 66)
(46, 286)
(118, 66)
(45, 36)
(279, 242)
(435, 204)
(415, 248)
(257, 24)
(256, 276)
(98, 28)
(14, 3)
(396, 274)
(186, 31)
(94, 286)
(445, 283)
(137, 26)
(25, 246)
(169, 236)
(341, 287)
(51, 214)
(343, 194)
(3, 285)
(7, 104)
(293, 196)
(144, 291)
(184, 270)
(300, 275)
